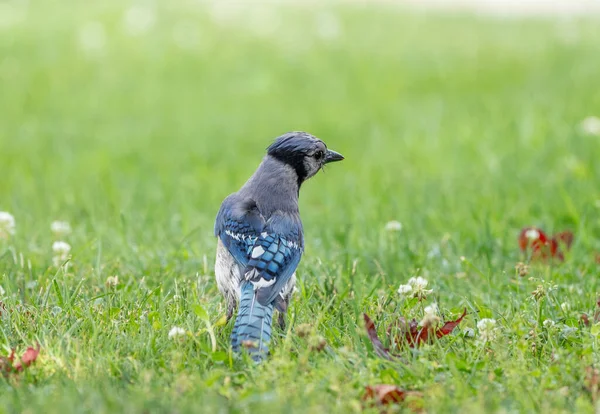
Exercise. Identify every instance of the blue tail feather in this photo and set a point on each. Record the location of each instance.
(252, 329)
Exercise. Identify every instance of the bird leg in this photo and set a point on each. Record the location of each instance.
(231, 307)
(281, 305)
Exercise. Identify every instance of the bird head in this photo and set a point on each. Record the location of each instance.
(304, 152)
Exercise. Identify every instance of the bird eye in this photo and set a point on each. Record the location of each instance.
(319, 155)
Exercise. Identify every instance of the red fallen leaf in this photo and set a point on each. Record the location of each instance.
(377, 345)
(449, 326)
(585, 319)
(542, 247)
(6, 363)
(565, 237)
(409, 332)
(525, 239)
(9, 366)
(384, 394)
(28, 358)
(415, 335)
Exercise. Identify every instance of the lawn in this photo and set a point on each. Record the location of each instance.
(132, 122)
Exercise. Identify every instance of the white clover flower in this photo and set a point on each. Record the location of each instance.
(430, 318)
(487, 329)
(176, 331)
(7, 225)
(591, 125)
(2, 291)
(415, 288)
(61, 251)
(548, 323)
(61, 248)
(431, 309)
(60, 228)
(532, 234)
(565, 307)
(393, 226)
(405, 290)
(112, 281)
(418, 283)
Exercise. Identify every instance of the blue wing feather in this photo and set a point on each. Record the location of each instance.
(238, 225)
(238, 238)
(269, 251)
(274, 257)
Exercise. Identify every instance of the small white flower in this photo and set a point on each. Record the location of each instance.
(112, 281)
(486, 324)
(591, 125)
(31, 284)
(405, 290)
(61, 251)
(2, 291)
(532, 234)
(430, 318)
(60, 228)
(487, 329)
(7, 225)
(418, 283)
(393, 226)
(176, 331)
(548, 323)
(431, 309)
(176, 297)
(417, 286)
(565, 307)
(61, 248)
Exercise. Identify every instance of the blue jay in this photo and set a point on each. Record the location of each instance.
(260, 238)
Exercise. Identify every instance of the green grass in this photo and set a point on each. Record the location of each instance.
(464, 129)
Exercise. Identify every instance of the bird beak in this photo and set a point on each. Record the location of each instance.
(333, 156)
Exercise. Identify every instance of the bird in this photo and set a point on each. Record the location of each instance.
(260, 239)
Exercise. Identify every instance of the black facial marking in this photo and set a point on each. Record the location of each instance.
(294, 160)
(292, 149)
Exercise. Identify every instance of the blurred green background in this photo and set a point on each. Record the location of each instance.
(133, 120)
